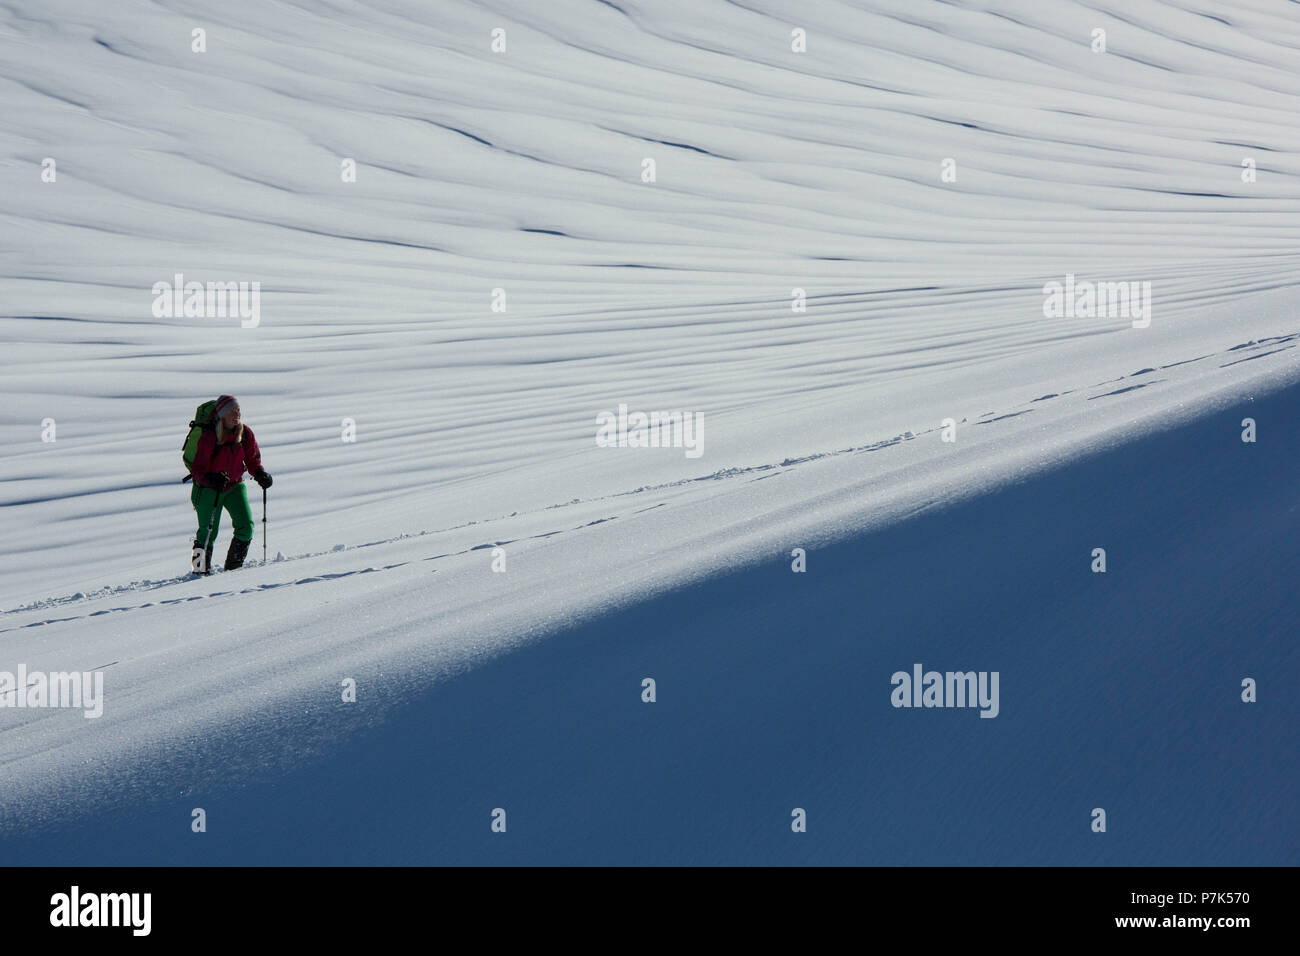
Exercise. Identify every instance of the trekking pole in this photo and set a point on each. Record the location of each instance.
(264, 526)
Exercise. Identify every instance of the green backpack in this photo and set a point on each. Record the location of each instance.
(204, 417)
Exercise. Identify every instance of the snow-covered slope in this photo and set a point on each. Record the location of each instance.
(517, 176)
(1118, 691)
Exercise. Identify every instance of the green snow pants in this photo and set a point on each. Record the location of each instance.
(234, 500)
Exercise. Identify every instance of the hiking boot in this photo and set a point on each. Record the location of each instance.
(207, 559)
(235, 556)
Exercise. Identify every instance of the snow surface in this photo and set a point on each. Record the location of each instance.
(476, 429)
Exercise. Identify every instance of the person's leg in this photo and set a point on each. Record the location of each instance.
(241, 513)
(206, 508)
(241, 518)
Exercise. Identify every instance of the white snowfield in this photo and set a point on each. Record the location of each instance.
(516, 179)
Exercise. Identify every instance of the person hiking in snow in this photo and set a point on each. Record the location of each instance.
(222, 453)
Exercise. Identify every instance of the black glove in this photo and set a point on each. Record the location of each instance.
(216, 479)
(262, 478)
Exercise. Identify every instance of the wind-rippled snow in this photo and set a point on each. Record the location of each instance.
(521, 170)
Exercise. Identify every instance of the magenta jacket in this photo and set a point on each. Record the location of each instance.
(236, 452)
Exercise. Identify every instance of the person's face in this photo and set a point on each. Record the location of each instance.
(231, 418)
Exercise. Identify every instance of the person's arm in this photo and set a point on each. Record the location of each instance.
(253, 459)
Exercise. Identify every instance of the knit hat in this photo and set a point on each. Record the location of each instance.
(224, 404)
